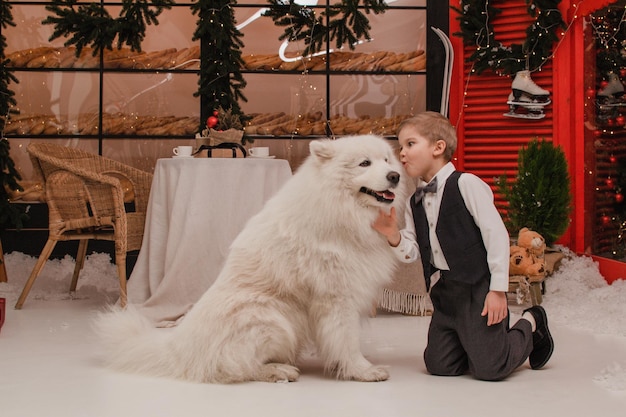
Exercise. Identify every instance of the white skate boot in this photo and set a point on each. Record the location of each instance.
(614, 87)
(524, 86)
(527, 100)
(611, 99)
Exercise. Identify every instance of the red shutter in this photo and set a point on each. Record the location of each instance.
(489, 141)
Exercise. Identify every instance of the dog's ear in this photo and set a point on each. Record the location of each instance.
(322, 149)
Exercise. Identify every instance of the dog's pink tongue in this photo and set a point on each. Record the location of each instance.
(388, 195)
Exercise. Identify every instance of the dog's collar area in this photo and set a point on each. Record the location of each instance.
(382, 196)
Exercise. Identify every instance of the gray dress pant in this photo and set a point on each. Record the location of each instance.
(459, 339)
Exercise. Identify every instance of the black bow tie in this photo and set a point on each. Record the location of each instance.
(431, 187)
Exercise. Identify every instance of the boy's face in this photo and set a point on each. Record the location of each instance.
(420, 158)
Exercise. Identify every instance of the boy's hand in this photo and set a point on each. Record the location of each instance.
(387, 225)
(496, 307)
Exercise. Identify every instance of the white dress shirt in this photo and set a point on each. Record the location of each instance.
(478, 199)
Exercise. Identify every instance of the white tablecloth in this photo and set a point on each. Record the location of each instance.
(197, 207)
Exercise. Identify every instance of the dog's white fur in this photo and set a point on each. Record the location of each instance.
(303, 269)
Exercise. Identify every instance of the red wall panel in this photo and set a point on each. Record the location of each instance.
(488, 141)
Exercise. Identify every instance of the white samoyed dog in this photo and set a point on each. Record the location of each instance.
(304, 269)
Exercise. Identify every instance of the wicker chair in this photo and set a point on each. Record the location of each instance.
(85, 194)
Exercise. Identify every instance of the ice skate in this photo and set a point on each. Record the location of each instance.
(525, 89)
(610, 105)
(614, 88)
(526, 108)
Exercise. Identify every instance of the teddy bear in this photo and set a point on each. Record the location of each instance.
(523, 262)
(533, 241)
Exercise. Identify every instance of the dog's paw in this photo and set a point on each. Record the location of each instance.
(372, 374)
(278, 372)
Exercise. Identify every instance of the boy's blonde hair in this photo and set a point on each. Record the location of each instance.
(433, 126)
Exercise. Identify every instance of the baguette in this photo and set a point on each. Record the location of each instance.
(86, 59)
(68, 57)
(59, 57)
(52, 128)
(42, 58)
(275, 121)
(153, 59)
(183, 56)
(291, 66)
(21, 59)
(250, 130)
(264, 118)
(37, 125)
(319, 128)
(374, 58)
(389, 59)
(412, 64)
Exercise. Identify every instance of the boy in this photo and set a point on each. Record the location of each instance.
(454, 226)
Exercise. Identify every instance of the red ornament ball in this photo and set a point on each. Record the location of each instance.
(619, 197)
(612, 159)
(605, 219)
(211, 122)
(591, 93)
(620, 120)
(215, 113)
(609, 182)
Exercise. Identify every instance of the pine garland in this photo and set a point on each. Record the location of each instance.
(90, 24)
(221, 81)
(347, 22)
(7, 96)
(539, 198)
(476, 16)
(9, 176)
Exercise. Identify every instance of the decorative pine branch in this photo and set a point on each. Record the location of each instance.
(9, 176)
(347, 22)
(7, 96)
(221, 81)
(90, 24)
(475, 20)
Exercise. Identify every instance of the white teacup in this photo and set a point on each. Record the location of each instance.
(260, 152)
(183, 150)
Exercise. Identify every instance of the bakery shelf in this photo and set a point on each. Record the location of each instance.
(144, 103)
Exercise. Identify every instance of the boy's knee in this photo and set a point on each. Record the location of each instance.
(489, 376)
(492, 370)
(439, 368)
(445, 372)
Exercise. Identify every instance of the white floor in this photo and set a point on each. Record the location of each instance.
(48, 368)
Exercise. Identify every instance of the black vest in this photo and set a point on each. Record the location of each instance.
(458, 235)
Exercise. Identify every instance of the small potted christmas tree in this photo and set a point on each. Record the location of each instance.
(539, 196)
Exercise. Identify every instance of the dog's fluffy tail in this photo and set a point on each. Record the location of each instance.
(130, 342)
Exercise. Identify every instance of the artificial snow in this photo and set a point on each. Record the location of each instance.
(613, 377)
(97, 280)
(577, 296)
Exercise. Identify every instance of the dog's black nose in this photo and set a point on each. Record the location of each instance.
(393, 177)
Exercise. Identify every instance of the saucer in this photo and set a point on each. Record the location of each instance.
(262, 157)
(182, 156)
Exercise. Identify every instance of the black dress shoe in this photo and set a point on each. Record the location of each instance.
(543, 345)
